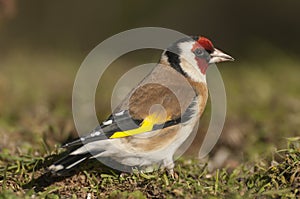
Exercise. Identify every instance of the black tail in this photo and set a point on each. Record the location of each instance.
(67, 163)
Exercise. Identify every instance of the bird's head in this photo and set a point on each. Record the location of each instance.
(191, 56)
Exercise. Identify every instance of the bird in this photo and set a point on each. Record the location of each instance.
(156, 117)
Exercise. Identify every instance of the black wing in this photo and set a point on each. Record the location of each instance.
(117, 122)
(122, 121)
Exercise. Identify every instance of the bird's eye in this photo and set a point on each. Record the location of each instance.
(199, 52)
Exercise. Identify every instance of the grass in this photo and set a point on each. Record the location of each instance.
(265, 179)
(260, 138)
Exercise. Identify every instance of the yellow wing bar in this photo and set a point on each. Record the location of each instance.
(146, 126)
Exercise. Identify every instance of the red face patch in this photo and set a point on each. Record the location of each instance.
(203, 65)
(206, 44)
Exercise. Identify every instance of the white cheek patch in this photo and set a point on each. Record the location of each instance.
(188, 62)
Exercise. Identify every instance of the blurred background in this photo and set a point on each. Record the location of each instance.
(42, 44)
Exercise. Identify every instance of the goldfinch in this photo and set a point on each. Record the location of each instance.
(156, 117)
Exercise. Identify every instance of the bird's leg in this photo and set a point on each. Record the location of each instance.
(171, 173)
(169, 165)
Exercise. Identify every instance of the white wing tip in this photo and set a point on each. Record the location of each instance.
(56, 168)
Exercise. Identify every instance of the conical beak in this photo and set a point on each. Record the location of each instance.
(218, 56)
